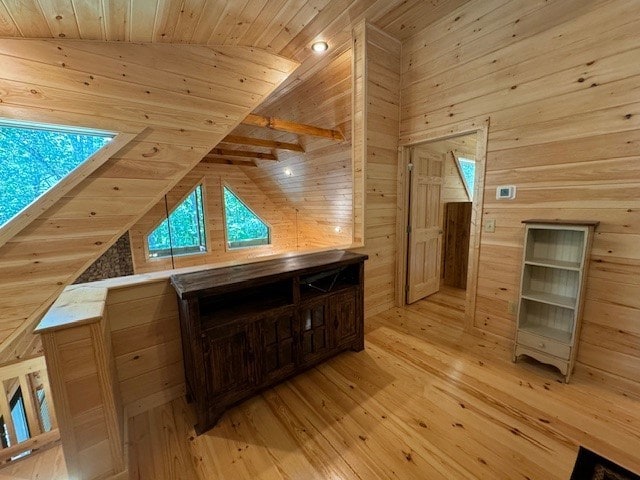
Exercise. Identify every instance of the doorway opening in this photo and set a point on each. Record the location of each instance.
(442, 182)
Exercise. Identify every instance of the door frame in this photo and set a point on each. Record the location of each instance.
(481, 129)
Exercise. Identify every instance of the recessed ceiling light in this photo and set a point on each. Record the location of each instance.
(320, 47)
(338, 229)
(288, 172)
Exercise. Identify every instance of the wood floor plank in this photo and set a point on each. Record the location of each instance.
(424, 400)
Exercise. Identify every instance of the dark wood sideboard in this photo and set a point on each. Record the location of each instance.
(247, 327)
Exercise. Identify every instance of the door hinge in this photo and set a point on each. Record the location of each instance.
(410, 167)
(408, 228)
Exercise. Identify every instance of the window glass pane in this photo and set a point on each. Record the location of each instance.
(183, 232)
(467, 170)
(43, 404)
(244, 228)
(34, 159)
(19, 417)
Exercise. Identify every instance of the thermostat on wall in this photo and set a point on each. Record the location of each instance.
(506, 192)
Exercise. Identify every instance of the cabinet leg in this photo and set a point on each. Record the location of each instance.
(358, 346)
(208, 423)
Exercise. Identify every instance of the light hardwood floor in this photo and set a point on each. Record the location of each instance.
(46, 465)
(423, 401)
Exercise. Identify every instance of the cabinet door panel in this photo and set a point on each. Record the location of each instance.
(278, 345)
(229, 363)
(315, 333)
(344, 319)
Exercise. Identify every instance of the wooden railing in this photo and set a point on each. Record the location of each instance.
(25, 389)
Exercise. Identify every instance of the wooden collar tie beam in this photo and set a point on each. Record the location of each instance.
(261, 142)
(223, 152)
(292, 127)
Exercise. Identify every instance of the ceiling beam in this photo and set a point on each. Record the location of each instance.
(260, 142)
(228, 161)
(291, 127)
(241, 153)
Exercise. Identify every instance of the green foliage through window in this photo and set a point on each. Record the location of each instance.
(244, 228)
(467, 169)
(34, 159)
(183, 233)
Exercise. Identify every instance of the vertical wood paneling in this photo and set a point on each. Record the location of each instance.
(556, 80)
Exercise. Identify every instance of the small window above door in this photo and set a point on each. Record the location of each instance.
(467, 171)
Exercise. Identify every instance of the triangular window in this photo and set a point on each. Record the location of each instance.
(35, 158)
(184, 232)
(467, 170)
(244, 228)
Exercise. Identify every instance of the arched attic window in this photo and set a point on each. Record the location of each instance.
(35, 158)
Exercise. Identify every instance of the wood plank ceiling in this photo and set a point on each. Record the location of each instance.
(285, 27)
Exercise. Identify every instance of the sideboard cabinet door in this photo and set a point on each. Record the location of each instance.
(229, 363)
(278, 347)
(315, 333)
(344, 320)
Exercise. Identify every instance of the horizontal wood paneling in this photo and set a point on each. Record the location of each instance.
(183, 100)
(87, 400)
(557, 80)
(145, 338)
(317, 197)
(378, 96)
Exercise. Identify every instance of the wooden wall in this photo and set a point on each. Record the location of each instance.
(281, 219)
(87, 399)
(377, 100)
(304, 209)
(183, 99)
(559, 83)
(319, 190)
(145, 338)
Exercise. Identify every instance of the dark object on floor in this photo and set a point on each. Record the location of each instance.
(591, 466)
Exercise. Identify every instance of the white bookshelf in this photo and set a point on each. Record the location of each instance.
(554, 267)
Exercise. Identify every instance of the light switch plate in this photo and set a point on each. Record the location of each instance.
(490, 225)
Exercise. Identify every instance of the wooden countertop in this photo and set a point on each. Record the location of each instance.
(224, 279)
(77, 305)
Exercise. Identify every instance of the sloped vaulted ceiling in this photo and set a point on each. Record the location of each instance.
(182, 99)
